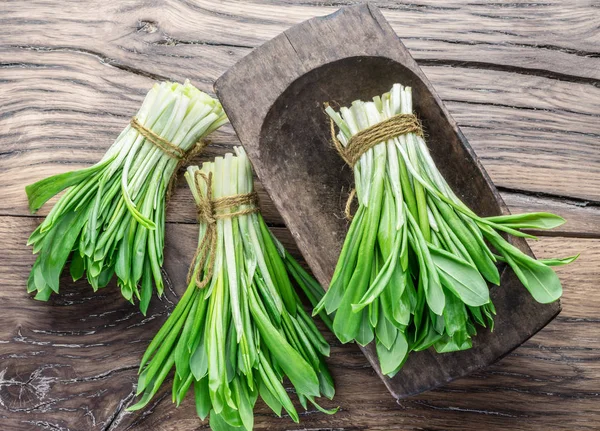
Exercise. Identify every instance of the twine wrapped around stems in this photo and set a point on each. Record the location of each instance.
(170, 149)
(395, 126)
(366, 139)
(208, 212)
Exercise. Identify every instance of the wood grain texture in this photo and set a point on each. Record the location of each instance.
(520, 78)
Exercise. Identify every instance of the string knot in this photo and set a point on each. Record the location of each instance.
(209, 211)
(206, 211)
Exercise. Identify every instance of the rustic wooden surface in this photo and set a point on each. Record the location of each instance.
(521, 79)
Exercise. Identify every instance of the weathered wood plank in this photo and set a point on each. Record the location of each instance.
(71, 363)
(551, 38)
(47, 128)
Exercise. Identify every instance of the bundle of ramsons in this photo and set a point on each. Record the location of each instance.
(240, 327)
(412, 272)
(111, 219)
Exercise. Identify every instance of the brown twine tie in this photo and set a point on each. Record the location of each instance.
(366, 139)
(208, 213)
(170, 149)
(395, 126)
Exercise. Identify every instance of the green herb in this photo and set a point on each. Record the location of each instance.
(239, 328)
(111, 219)
(413, 269)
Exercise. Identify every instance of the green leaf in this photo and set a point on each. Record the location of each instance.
(146, 293)
(38, 193)
(447, 344)
(77, 267)
(365, 331)
(245, 404)
(269, 398)
(559, 261)
(541, 281)
(202, 397)
(402, 305)
(182, 353)
(460, 277)
(455, 315)
(199, 361)
(153, 385)
(389, 359)
(321, 409)
(171, 323)
(43, 294)
(482, 261)
(275, 263)
(426, 338)
(386, 332)
(434, 294)
(219, 423)
(477, 316)
(295, 367)
(332, 299)
(184, 389)
(326, 385)
(58, 246)
(539, 220)
(230, 415)
(383, 277)
(276, 388)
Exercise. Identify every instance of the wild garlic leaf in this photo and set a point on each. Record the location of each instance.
(202, 398)
(390, 358)
(38, 193)
(296, 368)
(538, 220)
(386, 332)
(365, 331)
(559, 261)
(541, 281)
(460, 277)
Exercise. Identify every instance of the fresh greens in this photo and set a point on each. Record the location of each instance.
(111, 219)
(415, 265)
(239, 328)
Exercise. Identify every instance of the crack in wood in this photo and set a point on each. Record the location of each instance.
(549, 47)
(143, 414)
(171, 41)
(115, 419)
(524, 108)
(520, 70)
(46, 425)
(578, 202)
(460, 409)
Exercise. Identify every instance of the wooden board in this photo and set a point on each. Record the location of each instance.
(278, 115)
(71, 76)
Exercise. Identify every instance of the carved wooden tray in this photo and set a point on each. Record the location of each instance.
(274, 99)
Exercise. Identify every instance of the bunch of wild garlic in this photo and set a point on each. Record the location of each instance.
(240, 328)
(111, 219)
(412, 272)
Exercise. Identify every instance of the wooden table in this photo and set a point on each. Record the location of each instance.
(523, 82)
